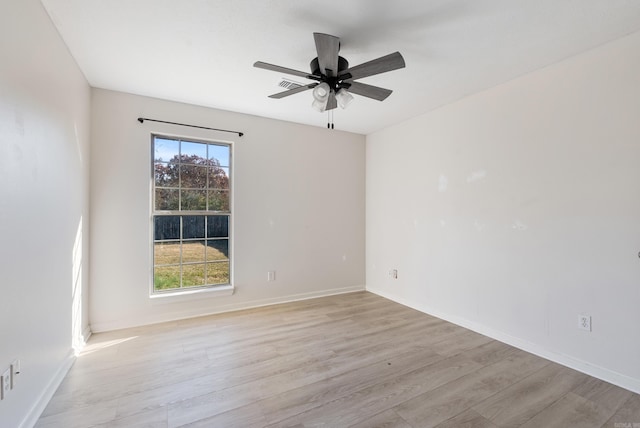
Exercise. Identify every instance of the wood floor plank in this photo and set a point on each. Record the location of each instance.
(627, 415)
(354, 360)
(456, 344)
(81, 416)
(300, 400)
(570, 411)
(361, 404)
(450, 399)
(606, 396)
(468, 419)
(156, 418)
(296, 380)
(386, 419)
(249, 417)
(518, 403)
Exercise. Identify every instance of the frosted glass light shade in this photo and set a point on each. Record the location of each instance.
(321, 96)
(321, 92)
(320, 105)
(344, 98)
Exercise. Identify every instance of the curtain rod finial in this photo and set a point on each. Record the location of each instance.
(141, 119)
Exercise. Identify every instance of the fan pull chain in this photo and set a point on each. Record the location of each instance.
(330, 124)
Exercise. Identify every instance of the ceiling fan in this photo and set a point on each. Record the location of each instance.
(335, 81)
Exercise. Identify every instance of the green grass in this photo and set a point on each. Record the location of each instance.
(209, 265)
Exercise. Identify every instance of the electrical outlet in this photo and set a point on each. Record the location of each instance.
(15, 371)
(5, 382)
(393, 273)
(271, 275)
(584, 322)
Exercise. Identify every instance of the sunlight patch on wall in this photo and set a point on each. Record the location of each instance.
(77, 337)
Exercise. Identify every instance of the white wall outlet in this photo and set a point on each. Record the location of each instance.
(584, 322)
(5, 384)
(393, 273)
(271, 275)
(15, 371)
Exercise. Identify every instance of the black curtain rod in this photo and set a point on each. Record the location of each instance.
(142, 119)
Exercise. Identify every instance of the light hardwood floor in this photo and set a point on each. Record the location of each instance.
(353, 360)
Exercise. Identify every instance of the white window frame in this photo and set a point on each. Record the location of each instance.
(223, 288)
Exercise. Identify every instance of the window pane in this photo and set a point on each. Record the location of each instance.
(165, 174)
(165, 149)
(220, 154)
(167, 200)
(193, 251)
(166, 227)
(193, 275)
(193, 176)
(218, 200)
(194, 200)
(217, 250)
(217, 226)
(166, 277)
(165, 253)
(218, 273)
(218, 178)
(193, 152)
(192, 226)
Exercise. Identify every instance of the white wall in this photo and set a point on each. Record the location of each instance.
(517, 209)
(298, 210)
(44, 142)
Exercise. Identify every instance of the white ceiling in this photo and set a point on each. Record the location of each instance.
(202, 51)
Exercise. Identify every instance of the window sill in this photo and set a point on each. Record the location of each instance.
(219, 291)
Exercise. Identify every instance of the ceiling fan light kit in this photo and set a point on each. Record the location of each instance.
(321, 92)
(320, 105)
(344, 98)
(334, 80)
(320, 96)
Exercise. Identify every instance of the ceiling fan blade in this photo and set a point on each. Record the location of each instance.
(266, 66)
(327, 47)
(383, 64)
(293, 91)
(332, 102)
(368, 91)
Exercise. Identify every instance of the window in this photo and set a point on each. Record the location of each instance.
(191, 214)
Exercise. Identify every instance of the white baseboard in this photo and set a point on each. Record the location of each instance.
(603, 373)
(43, 399)
(100, 327)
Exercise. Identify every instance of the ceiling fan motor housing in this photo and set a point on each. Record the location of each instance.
(334, 82)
